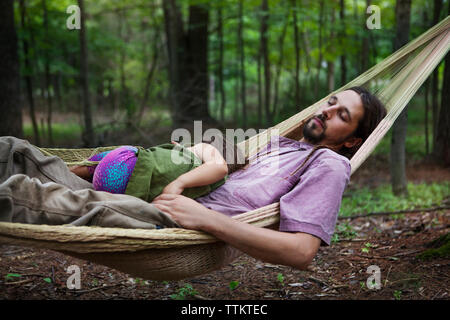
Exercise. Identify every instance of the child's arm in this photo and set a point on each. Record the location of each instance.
(213, 169)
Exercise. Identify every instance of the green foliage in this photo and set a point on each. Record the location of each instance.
(440, 249)
(48, 280)
(233, 285)
(381, 199)
(344, 231)
(280, 278)
(366, 248)
(398, 294)
(184, 293)
(11, 276)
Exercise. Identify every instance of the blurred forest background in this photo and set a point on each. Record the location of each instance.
(137, 69)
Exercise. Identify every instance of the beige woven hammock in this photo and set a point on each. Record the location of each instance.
(172, 253)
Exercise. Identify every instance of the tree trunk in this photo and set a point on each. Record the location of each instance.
(260, 99)
(151, 71)
(28, 78)
(365, 45)
(266, 63)
(242, 65)
(435, 82)
(442, 145)
(198, 63)
(88, 134)
(319, 62)
(341, 37)
(11, 120)
(397, 165)
(297, 56)
(188, 62)
(220, 66)
(47, 75)
(330, 63)
(278, 67)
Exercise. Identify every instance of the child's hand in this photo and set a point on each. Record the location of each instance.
(175, 187)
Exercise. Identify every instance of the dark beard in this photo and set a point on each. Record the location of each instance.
(308, 130)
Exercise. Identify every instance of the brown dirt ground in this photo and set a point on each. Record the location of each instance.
(337, 272)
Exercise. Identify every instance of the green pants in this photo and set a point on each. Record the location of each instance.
(37, 189)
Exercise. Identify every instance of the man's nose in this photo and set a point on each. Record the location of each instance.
(329, 111)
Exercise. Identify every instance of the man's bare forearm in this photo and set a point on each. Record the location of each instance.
(292, 249)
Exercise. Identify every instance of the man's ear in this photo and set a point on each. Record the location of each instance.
(353, 141)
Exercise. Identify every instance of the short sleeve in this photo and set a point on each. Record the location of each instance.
(312, 205)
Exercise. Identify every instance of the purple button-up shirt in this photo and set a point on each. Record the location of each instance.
(309, 197)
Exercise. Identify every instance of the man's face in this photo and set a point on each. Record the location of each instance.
(336, 121)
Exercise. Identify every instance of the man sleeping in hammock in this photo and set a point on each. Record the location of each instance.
(309, 183)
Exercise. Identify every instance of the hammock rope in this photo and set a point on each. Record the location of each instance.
(171, 253)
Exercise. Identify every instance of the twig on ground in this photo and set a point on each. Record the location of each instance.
(77, 292)
(19, 282)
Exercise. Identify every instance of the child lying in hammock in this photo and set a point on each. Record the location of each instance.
(167, 168)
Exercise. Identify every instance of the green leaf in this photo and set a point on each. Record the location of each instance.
(48, 280)
(233, 285)
(10, 276)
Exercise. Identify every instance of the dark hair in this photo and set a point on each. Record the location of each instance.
(230, 151)
(374, 112)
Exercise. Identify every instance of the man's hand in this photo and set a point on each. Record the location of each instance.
(185, 211)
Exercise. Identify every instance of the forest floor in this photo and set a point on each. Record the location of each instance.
(391, 243)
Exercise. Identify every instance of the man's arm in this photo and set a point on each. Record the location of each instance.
(292, 249)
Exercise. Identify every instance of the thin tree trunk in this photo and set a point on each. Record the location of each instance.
(242, 65)
(28, 78)
(111, 95)
(220, 66)
(442, 145)
(435, 81)
(307, 47)
(397, 165)
(297, 56)
(365, 46)
(11, 120)
(266, 63)
(47, 75)
(278, 67)
(260, 99)
(341, 37)
(330, 63)
(319, 62)
(88, 134)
